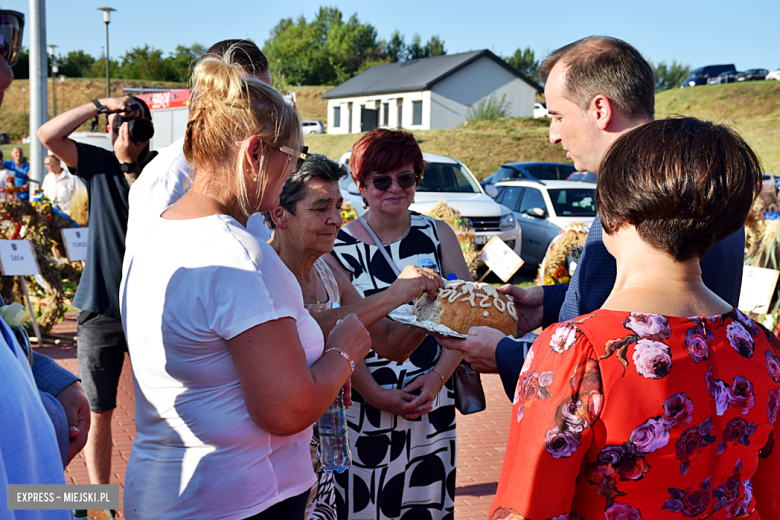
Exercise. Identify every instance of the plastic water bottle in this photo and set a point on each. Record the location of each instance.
(428, 263)
(451, 277)
(334, 442)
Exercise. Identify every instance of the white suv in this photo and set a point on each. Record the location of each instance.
(449, 180)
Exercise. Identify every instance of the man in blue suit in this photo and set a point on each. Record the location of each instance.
(596, 89)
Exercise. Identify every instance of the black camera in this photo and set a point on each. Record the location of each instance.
(140, 130)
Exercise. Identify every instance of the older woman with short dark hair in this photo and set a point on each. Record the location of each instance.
(305, 224)
(661, 404)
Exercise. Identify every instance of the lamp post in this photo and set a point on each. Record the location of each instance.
(62, 80)
(107, 20)
(54, 70)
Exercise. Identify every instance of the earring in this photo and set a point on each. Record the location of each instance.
(365, 203)
(255, 179)
(413, 201)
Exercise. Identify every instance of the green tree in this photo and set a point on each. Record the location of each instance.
(181, 60)
(525, 61)
(669, 76)
(76, 64)
(435, 46)
(396, 47)
(22, 67)
(415, 50)
(326, 50)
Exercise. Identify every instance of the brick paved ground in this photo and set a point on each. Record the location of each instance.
(481, 436)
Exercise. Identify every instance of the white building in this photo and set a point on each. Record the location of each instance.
(427, 93)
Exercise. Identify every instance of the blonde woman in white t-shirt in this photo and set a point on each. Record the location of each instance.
(230, 370)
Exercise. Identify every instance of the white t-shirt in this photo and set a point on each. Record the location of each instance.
(162, 182)
(61, 190)
(192, 285)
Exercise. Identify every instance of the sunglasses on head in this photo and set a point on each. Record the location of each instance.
(11, 25)
(383, 182)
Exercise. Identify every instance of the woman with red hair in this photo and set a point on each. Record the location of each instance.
(402, 425)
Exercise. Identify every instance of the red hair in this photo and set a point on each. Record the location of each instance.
(383, 150)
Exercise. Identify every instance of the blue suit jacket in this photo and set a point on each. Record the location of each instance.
(593, 281)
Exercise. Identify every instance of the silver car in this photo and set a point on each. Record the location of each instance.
(543, 208)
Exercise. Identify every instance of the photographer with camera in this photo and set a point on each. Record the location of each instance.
(108, 176)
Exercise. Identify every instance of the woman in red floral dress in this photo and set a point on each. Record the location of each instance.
(661, 404)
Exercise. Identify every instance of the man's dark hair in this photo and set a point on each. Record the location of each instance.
(685, 184)
(608, 66)
(314, 167)
(245, 53)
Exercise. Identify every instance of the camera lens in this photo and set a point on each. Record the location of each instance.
(140, 130)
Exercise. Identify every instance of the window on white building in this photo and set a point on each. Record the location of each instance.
(385, 113)
(337, 116)
(416, 112)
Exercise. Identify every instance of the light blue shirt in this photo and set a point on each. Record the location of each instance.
(28, 446)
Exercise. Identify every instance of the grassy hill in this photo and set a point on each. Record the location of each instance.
(753, 109)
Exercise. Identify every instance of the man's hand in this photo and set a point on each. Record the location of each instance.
(74, 400)
(125, 149)
(479, 349)
(529, 302)
(121, 103)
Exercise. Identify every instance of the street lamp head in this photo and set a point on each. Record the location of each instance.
(106, 13)
(51, 47)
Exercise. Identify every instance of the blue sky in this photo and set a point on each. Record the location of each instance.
(695, 32)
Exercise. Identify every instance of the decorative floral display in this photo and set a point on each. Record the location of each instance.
(530, 388)
(741, 395)
(692, 441)
(737, 431)
(691, 501)
(561, 444)
(740, 339)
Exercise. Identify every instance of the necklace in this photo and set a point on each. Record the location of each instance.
(388, 242)
(303, 286)
(209, 196)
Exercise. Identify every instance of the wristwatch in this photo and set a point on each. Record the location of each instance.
(132, 167)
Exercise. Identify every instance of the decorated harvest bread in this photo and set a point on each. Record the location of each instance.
(461, 305)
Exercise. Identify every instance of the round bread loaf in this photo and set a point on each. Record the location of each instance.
(461, 305)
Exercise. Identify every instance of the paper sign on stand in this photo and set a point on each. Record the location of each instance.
(500, 259)
(17, 258)
(75, 240)
(758, 287)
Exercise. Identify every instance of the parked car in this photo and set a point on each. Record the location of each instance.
(4, 139)
(583, 177)
(724, 77)
(752, 75)
(448, 179)
(543, 208)
(313, 127)
(540, 110)
(701, 75)
(537, 171)
(775, 75)
(27, 140)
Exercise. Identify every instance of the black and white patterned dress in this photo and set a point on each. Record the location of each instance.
(400, 468)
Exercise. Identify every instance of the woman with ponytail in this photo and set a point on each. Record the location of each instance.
(230, 370)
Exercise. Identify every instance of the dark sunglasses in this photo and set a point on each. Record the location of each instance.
(11, 25)
(383, 182)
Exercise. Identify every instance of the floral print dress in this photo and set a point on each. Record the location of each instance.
(626, 416)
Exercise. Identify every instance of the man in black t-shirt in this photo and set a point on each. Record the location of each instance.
(108, 176)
